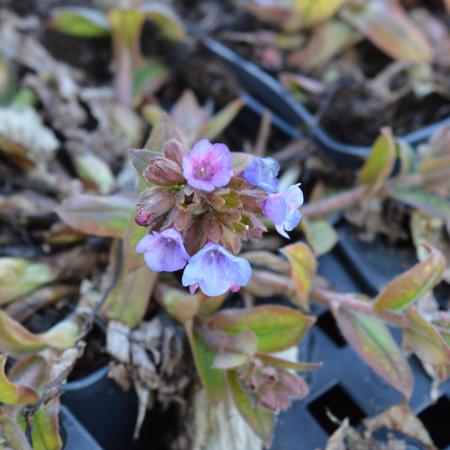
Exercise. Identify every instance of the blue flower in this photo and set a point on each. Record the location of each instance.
(163, 252)
(215, 270)
(283, 209)
(262, 172)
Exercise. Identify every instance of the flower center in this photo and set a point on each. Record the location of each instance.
(202, 172)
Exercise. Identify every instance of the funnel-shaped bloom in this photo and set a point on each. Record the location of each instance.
(215, 271)
(283, 209)
(163, 252)
(208, 166)
(262, 173)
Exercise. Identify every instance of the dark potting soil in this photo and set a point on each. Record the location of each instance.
(348, 109)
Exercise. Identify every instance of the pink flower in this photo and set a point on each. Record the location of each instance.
(163, 252)
(208, 166)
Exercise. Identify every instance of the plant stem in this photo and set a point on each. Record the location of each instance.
(349, 301)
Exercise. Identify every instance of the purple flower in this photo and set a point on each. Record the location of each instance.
(208, 166)
(163, 252)
(283, 209)
(262, 172)
(215, 271)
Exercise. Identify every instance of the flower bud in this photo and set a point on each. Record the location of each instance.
(164, 172)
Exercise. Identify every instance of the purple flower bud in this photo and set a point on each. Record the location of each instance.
(262, 172)
(163, 252)
(283, 209)
(215, 270)
(208, 166)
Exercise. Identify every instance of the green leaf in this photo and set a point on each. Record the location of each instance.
(262, 421)
(18, 341)
(148, 78)
(381, 161)
(32, 371)
(94, 172)
(163, 131)
(180, 304)
(429, 203)
(425, 340)
(214, 126)
(129, 299)
(133, 234)
(14, 394)
(213, 380)
(289, 365)
(311, 12)
(166, 19)
(45, 427)
(276, 327)
(371, 339)
(99, 216)
(20, 276)
(413, 284)
(388, 26)
(303, 270)
(141, 159)
(321, 236)
(81, 22)
(13, 436)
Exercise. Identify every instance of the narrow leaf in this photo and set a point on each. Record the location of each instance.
(321, 236)
(166, 19)
(32, 371)
(213, 380)
(285, 364)
(261, 420)
(163, 131)
(14, 394)
(100, 216)
(276, 327)
(388, 26)
(413, 284)
(311, 12)
(427, 202)
(381, 161)
(371, 339)
(19, 277)
(13, 436)
(425, 340)
(303, 270)
(81, 22)
(45, 427)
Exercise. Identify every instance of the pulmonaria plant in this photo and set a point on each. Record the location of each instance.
(199, 209)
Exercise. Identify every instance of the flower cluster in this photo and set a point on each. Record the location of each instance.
(272, 387)
(199, 209)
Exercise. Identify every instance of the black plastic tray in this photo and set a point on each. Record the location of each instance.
(263, 88)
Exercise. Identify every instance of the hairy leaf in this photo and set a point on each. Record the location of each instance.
(45, 427)
(388, 26)
(311, 12)
(261, 420)
(13, 436)
(276, 327)
(425, 340)
(411, 285)
(163, 131)
(303, 269)
(321, 236)
(213, 380)
(14, 394)
(214, 126)
(100, 216)
(285, 364)
(20, 276)
(81, 22)
(94, 172)
(373, 342)
(381, 161)
(425, 201)
(165, 18)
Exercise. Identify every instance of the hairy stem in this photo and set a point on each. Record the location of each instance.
(330, 298)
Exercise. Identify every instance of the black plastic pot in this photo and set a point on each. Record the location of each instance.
(103, 408)
(264, 89)
(346, 386)
(75, 436)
